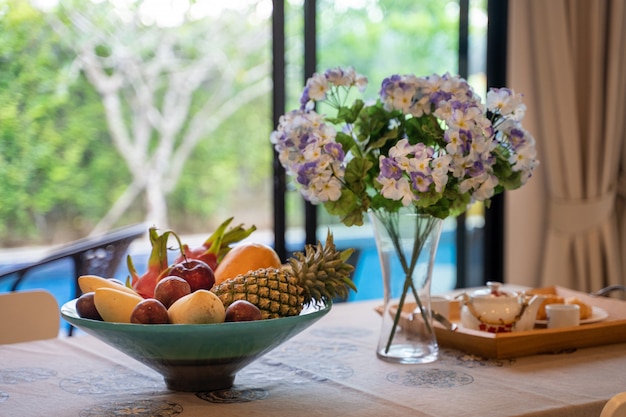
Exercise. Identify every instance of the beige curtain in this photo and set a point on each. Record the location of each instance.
(567, 226)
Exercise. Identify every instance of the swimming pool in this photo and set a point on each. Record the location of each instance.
(57, 277)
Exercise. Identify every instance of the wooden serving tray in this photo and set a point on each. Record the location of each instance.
(539, 340)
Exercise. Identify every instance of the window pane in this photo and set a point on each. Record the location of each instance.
(174, 101)
(116, 112)
(381, 38)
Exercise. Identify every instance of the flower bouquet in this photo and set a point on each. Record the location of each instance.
(426, 146)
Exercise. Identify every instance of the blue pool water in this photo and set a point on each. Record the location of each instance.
(58, 277)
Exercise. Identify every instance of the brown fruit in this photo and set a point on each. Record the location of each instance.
(86, 307)
(242, 310)
(246, 257)
(149, 311)
(197, 273)
(170, 289)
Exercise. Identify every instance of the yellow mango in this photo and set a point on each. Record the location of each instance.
(115, 305)
(199, 307)
(90, 283)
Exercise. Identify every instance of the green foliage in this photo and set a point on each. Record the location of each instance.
(405, 36)
(235, 160)
(59, 170)
(56, 165)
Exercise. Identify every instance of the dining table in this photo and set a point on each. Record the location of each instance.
(330, 369)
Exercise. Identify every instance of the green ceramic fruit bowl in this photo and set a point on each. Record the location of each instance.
(197, 357)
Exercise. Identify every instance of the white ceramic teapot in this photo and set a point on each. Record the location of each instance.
(494, 310)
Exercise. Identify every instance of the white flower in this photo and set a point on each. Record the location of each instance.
(402, 99)
(454, 141)
(402, 148)
(361, 82)
(326, 189)
(507, 103)
(317, 86)
(397, 190)
(485, 188)
(421, 164)
(346, 77)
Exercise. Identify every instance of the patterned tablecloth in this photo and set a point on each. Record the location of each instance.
(329, 370)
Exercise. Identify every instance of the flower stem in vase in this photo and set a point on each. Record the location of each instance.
(407, 243)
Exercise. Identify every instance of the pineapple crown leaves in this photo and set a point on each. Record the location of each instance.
(323, 271)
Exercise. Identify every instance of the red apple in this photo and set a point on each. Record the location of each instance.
(242, 310)
(202, 253)
(170, 289)
(197, 273)
(149, 311)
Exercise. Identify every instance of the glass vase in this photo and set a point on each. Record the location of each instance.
(407, 243)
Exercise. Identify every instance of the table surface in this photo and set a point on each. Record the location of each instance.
(331, 369)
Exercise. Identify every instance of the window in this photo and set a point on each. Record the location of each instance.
(53, 109)
(380, 38)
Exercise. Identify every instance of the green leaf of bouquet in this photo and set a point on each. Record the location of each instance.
(345, 204)
(459, 203)
(428, 198)
(373, 125)
(355, 174)
(502, 168)
(354, 218)
(512, 182)
(381, 141)
(381, 203)
(350, 114)
(507, 178)
(345, 141)
(347, 207)
(334, 120)
(424, 130)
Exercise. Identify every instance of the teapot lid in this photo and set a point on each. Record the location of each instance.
(493, 291)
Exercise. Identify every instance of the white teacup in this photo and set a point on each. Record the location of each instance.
(441, 305)
(562, 315)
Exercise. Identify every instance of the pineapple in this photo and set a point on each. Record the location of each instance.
(319, 274)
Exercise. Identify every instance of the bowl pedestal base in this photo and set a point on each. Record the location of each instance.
(199, 375)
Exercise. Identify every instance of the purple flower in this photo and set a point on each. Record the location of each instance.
(439, 96)
(335, 150)
(304, 99)
(517, 137)
(305, 172)
(476, 169)
(389, 85)
(306, 139)
(420, 181)
(389, 168)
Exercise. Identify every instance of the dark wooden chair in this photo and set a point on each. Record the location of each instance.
(99, 255)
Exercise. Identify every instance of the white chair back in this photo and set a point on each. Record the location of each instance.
(615, 407)
(28, 315)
